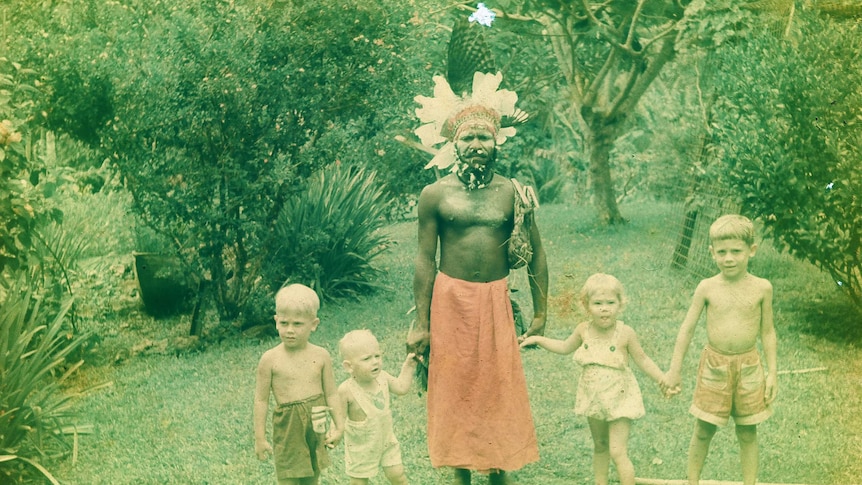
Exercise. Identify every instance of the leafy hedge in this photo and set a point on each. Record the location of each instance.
(789, 133)
(215, 112)
(22, 199)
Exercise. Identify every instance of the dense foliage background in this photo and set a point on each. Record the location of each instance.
(269, 141)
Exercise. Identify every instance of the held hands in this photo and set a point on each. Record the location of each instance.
(669, 385)
(262, 449)
(418, 339)
(333, 437)
(413, 360)
(537, 327)
(529, 341)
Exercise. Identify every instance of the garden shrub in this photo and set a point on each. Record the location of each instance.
(788, 131)
(214, 112)
(34, 409)
(328, 235)
(22, 199)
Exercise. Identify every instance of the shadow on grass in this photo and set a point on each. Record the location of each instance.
(832, 318)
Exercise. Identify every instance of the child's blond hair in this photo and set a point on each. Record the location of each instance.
(601, 281)
(299, 298)
(732, 226)
(353, 340)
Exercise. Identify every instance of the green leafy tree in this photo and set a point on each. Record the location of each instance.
(22, 207)
(608, 54)
(788, 138)
(215, 112)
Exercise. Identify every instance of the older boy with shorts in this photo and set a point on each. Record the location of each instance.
(730, 378)
(299, 375)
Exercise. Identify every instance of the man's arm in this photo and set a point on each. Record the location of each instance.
(683, 338)
(770, 344)
(425, 271)
(537, 273)
(263, 382)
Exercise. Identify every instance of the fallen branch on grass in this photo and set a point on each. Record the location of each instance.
(803, 371)
(659, 481)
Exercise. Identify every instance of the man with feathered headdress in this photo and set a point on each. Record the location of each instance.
(479, 414)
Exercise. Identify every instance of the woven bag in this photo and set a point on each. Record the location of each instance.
(520, 251)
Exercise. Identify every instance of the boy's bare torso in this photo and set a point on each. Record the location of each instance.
(296, 374)
(734, 311)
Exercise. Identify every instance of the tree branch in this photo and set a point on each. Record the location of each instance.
(631, 34)
(653, 69)
(626, 91)
(592, 89)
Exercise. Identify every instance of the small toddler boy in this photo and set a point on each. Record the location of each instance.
(299, 374)
(730, 378)
(369, 441)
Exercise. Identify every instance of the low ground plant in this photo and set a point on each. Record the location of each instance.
(36, 414)
(186, 418)
(327, 235)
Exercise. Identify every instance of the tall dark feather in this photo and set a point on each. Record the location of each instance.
(468, 53)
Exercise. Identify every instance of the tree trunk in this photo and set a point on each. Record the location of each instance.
(600, 139)
(197, 325)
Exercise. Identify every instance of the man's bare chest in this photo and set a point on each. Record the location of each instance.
(491, 208)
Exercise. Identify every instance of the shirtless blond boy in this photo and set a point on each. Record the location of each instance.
(730, 378)
(369, 440)
(299, 375)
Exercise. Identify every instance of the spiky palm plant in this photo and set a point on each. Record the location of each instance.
(328, 234)
(34, 409)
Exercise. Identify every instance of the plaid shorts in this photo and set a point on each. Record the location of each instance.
(730, 385)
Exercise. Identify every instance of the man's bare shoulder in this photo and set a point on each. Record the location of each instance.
(443, 184)
(433, 192)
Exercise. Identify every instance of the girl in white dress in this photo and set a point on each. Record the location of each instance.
(608, 393)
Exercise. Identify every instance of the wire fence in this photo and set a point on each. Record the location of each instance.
(689, 233)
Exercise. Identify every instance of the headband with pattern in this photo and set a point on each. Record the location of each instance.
(444, 113)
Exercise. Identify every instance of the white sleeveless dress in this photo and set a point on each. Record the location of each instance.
(607, 389)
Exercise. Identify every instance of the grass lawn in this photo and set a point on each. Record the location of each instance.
(187, 419)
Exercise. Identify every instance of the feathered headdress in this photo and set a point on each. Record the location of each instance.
(478, 98)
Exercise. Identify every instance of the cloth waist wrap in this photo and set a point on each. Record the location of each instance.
(479, 414)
